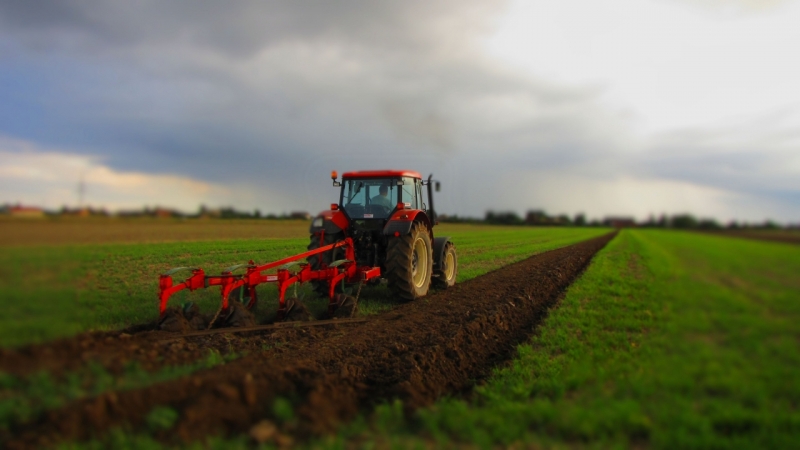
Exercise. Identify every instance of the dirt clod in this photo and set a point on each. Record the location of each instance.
(297, 311)
(173, 320)
(346, 307)
(239, 316)
(263, 431)
(227, 391)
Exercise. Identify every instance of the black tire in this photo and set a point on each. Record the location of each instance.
(316, 261)
(408, 278)
(446, 277)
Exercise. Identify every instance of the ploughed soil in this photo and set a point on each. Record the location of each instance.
(145, 345)
(416, 353)
(150, 350)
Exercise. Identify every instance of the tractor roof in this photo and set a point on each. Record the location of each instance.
(382, 174)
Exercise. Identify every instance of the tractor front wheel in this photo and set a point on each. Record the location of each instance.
(409, 263)
(446, 277)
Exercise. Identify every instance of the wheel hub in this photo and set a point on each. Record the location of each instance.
(449, 266)
(419, 263)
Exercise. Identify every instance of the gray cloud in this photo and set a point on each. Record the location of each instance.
(759, 155)
(420, 127)
(239, 29)
(270, 96)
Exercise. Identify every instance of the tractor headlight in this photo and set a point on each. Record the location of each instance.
(317, 222)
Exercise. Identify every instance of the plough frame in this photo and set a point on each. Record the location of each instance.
(346, 270)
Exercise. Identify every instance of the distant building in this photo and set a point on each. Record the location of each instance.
(301, 215)
(25, 211)
(206, 213)
(164, 213)
(619, 222)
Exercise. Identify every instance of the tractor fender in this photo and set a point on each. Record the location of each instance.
(438, 251)
(332, 222)
(401, 222)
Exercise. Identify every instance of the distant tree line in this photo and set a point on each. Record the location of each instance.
(688, 221)
(534, 217)
(203, 212)
(541, 218)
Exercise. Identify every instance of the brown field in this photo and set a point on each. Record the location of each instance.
(416, 353)
(109, 230)
(787, 236)
(59, 231)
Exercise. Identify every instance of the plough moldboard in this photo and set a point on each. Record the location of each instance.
(289, 271)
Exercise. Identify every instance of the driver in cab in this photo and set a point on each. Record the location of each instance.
(382, 198)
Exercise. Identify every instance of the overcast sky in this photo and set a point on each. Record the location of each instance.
(616, 107)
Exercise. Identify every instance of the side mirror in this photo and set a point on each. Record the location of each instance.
(437, 186)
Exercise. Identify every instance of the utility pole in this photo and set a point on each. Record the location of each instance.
(81, 192)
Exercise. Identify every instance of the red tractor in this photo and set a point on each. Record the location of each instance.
(385, 213)
(381, 228)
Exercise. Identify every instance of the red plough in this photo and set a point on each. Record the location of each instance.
(346, 270)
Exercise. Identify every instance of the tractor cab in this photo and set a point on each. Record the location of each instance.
(377, 194)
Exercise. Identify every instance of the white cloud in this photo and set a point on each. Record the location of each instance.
(735, 6)
(667, 64)
(555, 192)
(50, 178)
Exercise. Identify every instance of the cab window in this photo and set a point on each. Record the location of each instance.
(409, 195)
(371, 198)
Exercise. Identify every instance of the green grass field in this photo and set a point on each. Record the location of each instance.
(61, 289)
(669, 340)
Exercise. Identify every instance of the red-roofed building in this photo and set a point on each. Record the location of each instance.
(25, 211)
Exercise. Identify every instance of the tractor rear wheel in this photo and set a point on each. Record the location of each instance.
(317, 261)
(446, 277)
(409, 263)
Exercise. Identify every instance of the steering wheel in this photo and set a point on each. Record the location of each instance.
(377, 209)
